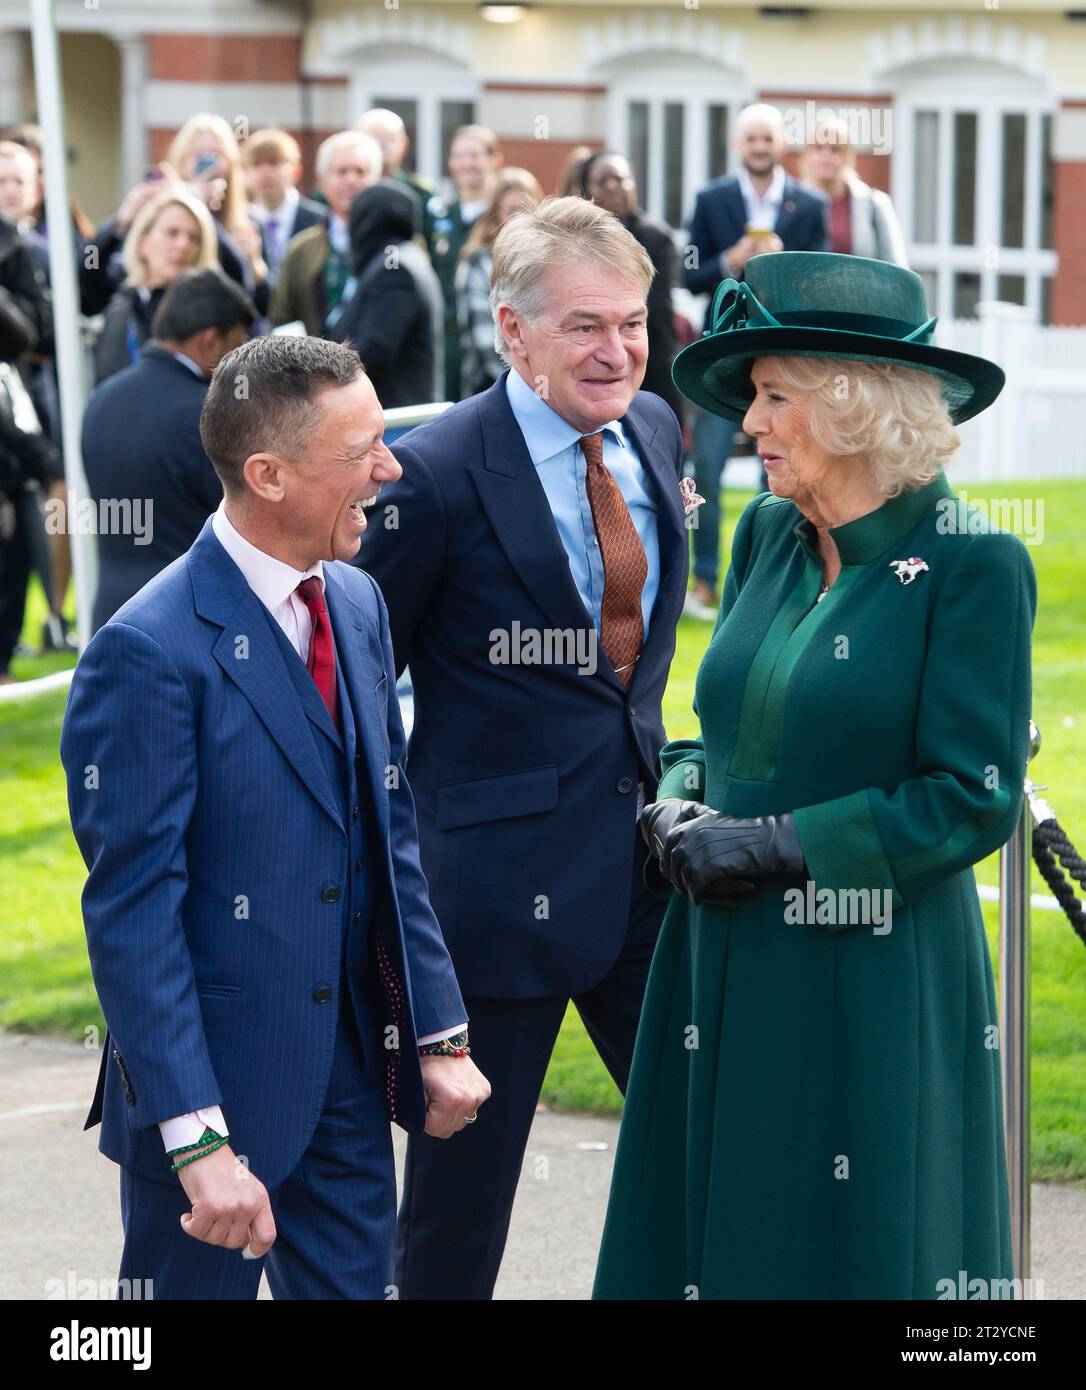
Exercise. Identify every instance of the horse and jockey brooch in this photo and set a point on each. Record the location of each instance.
(907, 570)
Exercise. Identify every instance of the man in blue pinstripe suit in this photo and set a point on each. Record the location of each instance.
(273, 979)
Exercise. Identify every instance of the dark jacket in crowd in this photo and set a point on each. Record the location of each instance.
(720, 219)
(396, 313)
(25, 316)
(126, 327)
(141, 442)
(27, 458)
(655, 237)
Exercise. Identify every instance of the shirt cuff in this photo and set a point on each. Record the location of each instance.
(440, 1037)
(185, 1131)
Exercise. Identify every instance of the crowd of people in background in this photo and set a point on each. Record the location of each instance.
(217, 242)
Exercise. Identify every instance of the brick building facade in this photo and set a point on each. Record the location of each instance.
(974, 119)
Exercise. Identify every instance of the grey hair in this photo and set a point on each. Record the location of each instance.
(349, 140)
(558, 232)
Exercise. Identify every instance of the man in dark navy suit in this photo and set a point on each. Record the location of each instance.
(272, 977)
(757, 210)
(534, 558)
(141, 435)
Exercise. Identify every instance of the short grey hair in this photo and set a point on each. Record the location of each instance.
(558, 232)
(349, 140)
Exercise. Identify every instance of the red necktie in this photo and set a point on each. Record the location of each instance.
(321, 661)
(625, 567)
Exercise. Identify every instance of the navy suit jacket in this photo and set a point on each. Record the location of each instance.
(141, 439)
(193, 779)
(525, 775)
(720, 219)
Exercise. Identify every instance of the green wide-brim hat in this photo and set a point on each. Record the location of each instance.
(818, 304)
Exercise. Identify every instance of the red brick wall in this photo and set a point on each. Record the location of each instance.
(224, 57)
(874, 169)
(1069, 283)
(545, 159)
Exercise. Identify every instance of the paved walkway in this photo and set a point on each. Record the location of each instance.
(59, 1209)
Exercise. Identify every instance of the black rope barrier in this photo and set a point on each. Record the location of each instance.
(1055, 856)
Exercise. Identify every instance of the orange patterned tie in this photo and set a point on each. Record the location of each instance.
(624, 565)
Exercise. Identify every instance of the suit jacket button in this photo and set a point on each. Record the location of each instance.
(322, 994)
(624, 785)
(330, 893)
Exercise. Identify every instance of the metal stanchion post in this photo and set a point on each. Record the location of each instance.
(1014, 1018)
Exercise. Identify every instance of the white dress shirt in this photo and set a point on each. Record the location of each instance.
(275, 584)
(283, 217)
(762, 209)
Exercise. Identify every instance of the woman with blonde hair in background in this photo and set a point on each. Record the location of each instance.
(205, 154)
(172, 233)
(480, 366)
(861, 219)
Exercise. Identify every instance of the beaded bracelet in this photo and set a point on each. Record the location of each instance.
(208, 1137)
(203, 1153)
(456, 1046)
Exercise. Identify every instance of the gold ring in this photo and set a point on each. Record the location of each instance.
(470, 1119)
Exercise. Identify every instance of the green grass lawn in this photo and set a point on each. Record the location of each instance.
(45, 983)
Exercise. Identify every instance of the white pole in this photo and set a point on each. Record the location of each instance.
(62, 275)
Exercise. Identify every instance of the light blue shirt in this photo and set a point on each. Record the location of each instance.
(554, 446)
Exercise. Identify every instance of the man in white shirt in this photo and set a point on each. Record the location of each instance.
(235, 758)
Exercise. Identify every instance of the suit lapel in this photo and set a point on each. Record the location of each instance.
(249, 654)
(737, 211)
(518, 510)
(360, 672)
(788, 211)
(672, 532)
(516, 505)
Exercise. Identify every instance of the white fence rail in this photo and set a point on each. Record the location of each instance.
(1037, 427)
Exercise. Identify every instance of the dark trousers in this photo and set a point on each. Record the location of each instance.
(458, 1193)
(335, 1214)
(15, 561)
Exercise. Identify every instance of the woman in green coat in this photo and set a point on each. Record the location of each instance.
(814, 1106)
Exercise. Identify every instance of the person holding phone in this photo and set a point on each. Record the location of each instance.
(205, 155)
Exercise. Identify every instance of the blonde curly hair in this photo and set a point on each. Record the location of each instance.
(895, 416)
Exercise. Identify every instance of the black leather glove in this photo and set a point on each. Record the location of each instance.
(660, 817)
(713, 855)
(660, 823)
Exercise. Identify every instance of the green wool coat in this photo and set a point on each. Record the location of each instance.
(814, 1105)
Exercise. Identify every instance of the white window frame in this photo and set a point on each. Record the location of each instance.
(988, 95)
(670, 85)
(425, 78)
